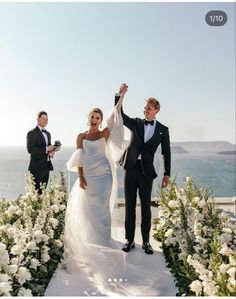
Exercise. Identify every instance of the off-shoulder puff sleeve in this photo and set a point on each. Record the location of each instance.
(76, 160)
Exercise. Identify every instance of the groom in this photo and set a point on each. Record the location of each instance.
(137, 160)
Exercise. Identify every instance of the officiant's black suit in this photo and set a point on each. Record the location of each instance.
(137, 161)
(36, 146)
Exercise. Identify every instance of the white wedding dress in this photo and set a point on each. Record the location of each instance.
(88, 243)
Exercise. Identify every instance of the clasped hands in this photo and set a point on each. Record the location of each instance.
(123, 89)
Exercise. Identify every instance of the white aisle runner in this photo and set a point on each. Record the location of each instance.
(64, 284)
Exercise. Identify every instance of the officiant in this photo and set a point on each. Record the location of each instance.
(41, 151)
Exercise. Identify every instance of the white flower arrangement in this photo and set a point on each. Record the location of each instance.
(196, 287)
(31, 239)
(198, 240)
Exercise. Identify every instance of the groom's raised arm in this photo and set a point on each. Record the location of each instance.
(127, 121)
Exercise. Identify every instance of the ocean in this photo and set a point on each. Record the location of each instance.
(216, 171)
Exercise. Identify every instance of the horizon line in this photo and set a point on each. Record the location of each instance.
(72, 145)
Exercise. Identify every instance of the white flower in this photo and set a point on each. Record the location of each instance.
(50, 233)
(196, 287)
(38, 235)
(196, 257)
(232, 260)
(10, 231)
(225, 238)
(197, 227)
(4, 277)
(200, 240)
(12, 210)
(14, 261)
(45, 257)
(207, 230)
(159, 226)
(199, 216)
(227, 230)
(32, 246)
(45, 238)
(197, 247)
(34, 263)
(191, 221)
(169, 241)
(16, 250)
(58, 243)
(224, 267)
(45, 248)
(55, 208)
(231, 271)
(169, 232)
(4, 257)
(12, 269)
(210, 288)
(62, 207)
(5, 288)
(231, 285)
(174, 221)
(173, 203)
(54, 222)
(176, 214)
(188, 179)
(23, 274)
(201, 203)
(24, 292)
(225, 250)
(2, 246)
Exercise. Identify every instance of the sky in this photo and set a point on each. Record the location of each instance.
(66, 58)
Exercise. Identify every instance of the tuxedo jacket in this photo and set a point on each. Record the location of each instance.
(147, 149)
(36, 146)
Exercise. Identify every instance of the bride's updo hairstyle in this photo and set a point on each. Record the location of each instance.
(97, 110)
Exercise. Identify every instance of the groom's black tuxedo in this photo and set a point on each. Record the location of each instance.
(137, 161)
(147, 149)
(36, 146)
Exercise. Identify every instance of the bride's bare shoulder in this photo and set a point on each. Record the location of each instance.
(80, 138)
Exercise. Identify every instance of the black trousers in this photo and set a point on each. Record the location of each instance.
(40, 177)
(135, 181)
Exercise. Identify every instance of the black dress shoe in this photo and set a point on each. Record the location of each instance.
(128, 245)
(147, 248)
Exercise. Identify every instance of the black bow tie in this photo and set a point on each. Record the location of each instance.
(149, 122)
(44, 131)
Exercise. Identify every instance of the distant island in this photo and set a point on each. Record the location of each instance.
(205, 146)
(227, 152)
(177, 150)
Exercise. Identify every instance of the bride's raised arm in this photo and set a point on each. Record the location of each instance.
(115, 122)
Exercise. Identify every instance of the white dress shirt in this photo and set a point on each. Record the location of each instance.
(148, 133)
(45, 137)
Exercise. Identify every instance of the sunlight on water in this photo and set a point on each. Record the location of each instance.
(213, 170)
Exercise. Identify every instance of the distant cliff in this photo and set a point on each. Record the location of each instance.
(205, 146)
(227, 152)
(177, 150)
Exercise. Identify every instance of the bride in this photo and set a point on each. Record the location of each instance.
(88, 243)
